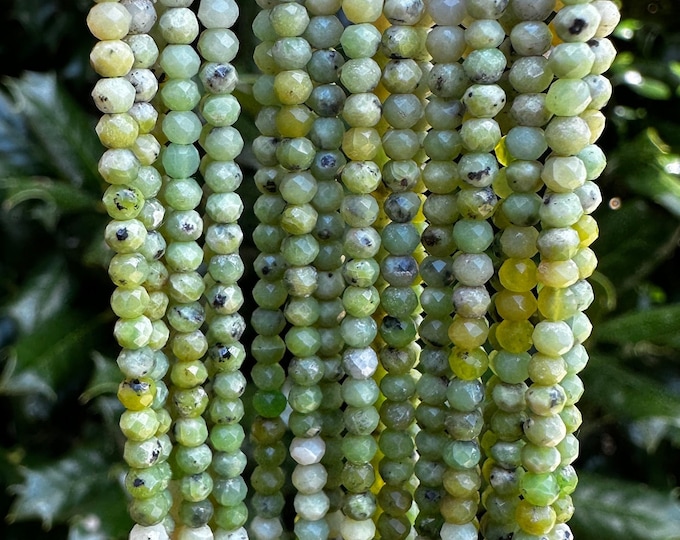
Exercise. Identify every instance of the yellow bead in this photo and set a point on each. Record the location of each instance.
(294, 120)
(537, 520)
(362, 11)
(558, 274)
(546, 370)
(468, 333)
(361, 143)
(518, 275)
(500, 185)
(515, 306)
(586, 261)
(109, 20)
(118, 130)
(292, 87)
(468, 364)
(514, 336)
(137, 394)
(587, 229)
(557, 304)
(112, 58)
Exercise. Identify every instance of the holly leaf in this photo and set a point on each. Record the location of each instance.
(609, 508)
(53, 357)
(105, 378)
(79, 488)
(44, 292)
(62, 131)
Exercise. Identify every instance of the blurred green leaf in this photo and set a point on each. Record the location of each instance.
(105, 378)
(45, 292)
(64, 197)
(44, 360)
(626, 394)
(61, 128)
(659, 325)
(58, 490)
(628, 252)
(610, 508)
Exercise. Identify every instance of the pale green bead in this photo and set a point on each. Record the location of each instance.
(571, 60)
(179, 61)
(530, 74)
(447, 43)
(568, 97)
(218, 45)
(564, 174)
(178, 25)
(360, 40)
(182, 127)
(113, 95)
(360, 75)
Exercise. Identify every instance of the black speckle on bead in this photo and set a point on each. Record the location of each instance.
(156, 452)
(219, 300)
(577, 26)
(478, 175)
(187, 227)
(328, 160)
(430, 238)
(593, 43)
(122, 234)
(138, 482)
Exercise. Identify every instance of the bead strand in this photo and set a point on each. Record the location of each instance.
(326, 132)
(514, 301)
(402, 46)
(291, 52)
(443, 113)
(134, 269)
(565, 234)
(360, 76)
(179, 62)
(268, 347)
(223, 298)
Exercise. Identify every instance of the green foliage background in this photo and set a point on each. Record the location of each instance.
(60, 465)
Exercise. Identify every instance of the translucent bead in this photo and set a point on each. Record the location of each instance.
(531, 38)
(266, 528)
(218, 13)
(447, 12)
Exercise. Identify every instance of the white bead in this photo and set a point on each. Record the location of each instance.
(447, 12)
(451, 531)
(238, 534)
(198, 533)
(360, 363)
(357, 530)
(218, 13)
(154, 532)
(307, 451)
(311, 507)
(266, 529)
(309, 478)
(143, 15)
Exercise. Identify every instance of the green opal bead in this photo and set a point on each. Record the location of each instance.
(193, 460)
(358, 478)
(150, 511)
(395, 472)
(359, 448)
